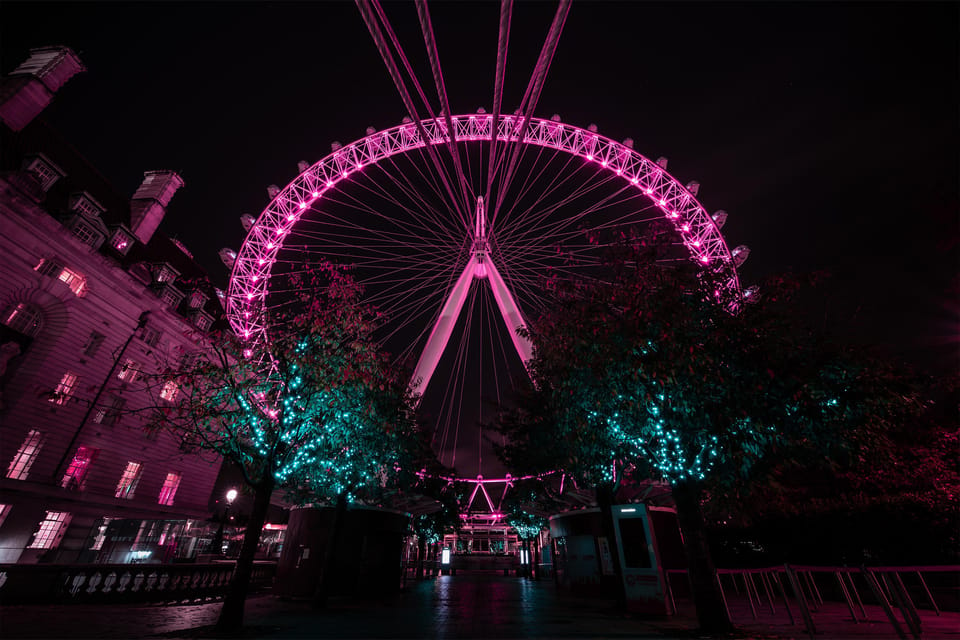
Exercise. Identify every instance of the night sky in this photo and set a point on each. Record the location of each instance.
(828, 131)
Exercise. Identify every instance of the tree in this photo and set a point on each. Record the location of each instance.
(658, 369)
(317, 409)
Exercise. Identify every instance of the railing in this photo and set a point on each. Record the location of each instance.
(116, 583)
(882, 586)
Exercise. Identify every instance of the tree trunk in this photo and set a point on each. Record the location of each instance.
(536, 559)
(421, 552)
(333, 544)
(231, 615)
(711, 613)
(605, 501)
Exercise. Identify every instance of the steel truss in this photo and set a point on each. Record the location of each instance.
(699, 232)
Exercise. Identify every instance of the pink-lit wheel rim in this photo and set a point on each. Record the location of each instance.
(255, 260)
(378, 204)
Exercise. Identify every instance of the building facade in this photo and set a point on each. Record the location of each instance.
(95, 303)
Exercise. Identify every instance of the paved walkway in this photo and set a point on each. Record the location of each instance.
(464, 606)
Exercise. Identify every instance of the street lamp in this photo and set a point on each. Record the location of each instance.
(218, 538)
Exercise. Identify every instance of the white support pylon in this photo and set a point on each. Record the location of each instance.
(480, 266)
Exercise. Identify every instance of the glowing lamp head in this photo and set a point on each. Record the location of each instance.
(589, 156)
(231, 495)
(315, 194)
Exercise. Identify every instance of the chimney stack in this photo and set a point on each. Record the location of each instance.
(31, 86)
(149, 203)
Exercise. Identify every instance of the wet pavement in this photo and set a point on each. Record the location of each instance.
(463, 606)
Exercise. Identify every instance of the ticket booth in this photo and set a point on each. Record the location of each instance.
(584, 563)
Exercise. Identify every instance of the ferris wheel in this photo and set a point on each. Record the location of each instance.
(452, 224)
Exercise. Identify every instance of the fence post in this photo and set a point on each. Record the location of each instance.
(783, 592)
(846, 596)
(933, 602)
(910, 615)
(801, 600)
(882, 599)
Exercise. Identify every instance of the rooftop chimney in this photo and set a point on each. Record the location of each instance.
(149, 203)
(31, 86)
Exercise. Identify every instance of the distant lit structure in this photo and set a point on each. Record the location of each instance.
(92, 297)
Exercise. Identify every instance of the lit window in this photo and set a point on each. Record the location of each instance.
(197, 300)
(65, 389)
(109, 414)
(101, 536)
(170, 485)
(167, 273)
(169, 391)
(55, 269)
(51, 530)
(128, 481)
(79, 466)
(93, 344)
(24, 318)
(121, 241)
(129, 370)
(26, 455)
(45, 171)
(150, 335)
(49, 267)
(76, 282)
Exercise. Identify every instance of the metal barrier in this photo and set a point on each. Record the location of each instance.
(885, 585)
(116, 583)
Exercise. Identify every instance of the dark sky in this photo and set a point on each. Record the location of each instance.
(828, 131)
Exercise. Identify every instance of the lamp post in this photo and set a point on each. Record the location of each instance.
(218, 538)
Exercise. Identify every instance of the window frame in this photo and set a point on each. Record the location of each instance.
(65, 388)
(48, 537)
(26, 455)
(76, 474)
(127, 486)
(169, 489)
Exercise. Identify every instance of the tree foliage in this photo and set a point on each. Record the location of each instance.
(317, 410)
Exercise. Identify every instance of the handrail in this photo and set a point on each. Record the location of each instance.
(884, 583)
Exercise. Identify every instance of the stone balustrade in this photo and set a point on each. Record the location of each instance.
(116, 583)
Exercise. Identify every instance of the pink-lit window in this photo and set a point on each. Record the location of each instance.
(169, 391)
(50, 531)
(26, 455)
(128, 481)
(65, 389)
(76, 282)
(197, 300)
(169, 490)
(121, 242)
(129, 370)
(24, 318)
(79, 466)
(101, 536)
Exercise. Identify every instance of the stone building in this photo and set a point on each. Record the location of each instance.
(94, 298)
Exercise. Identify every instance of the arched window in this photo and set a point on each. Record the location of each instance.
(23, 317)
